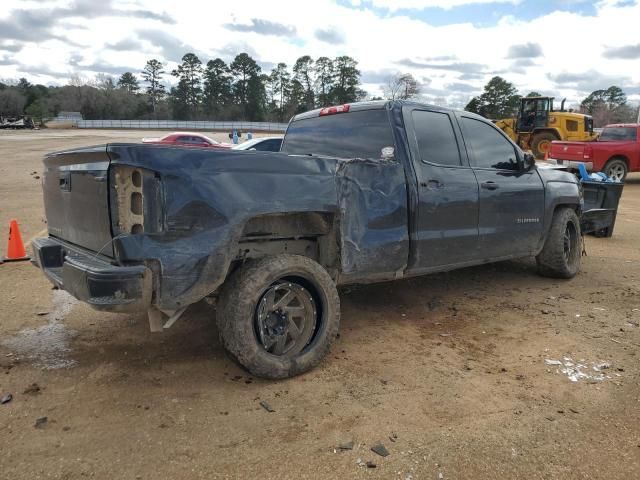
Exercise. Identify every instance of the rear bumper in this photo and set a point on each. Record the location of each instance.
(570, 163)
(92, 279)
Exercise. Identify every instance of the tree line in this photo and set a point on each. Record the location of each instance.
(500, 99)
(241, 90)
(213, 90)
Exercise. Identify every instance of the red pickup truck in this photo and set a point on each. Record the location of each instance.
(616, 151)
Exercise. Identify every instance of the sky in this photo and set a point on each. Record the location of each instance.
(562, 48)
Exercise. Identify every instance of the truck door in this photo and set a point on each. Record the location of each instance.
(446, 223)
(511, 199)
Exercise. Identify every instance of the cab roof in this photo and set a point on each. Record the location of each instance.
(375, 105)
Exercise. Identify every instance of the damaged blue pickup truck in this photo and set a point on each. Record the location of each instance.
(363, 192)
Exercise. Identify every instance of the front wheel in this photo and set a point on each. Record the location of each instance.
(277, 316)
(561, 254)
(541, 143)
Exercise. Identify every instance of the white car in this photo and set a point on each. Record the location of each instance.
(263, 144)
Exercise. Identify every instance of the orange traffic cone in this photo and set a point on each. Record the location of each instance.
(15, 248)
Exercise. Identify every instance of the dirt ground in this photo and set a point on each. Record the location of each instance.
(447, 371)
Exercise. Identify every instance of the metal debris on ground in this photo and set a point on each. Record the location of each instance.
(346, 446)
(41, 422)
(266, 406)
(6, 399)
(370, 464)
(380, 449)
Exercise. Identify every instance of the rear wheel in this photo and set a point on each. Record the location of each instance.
(541, 143)
(277, 316)
(616, 168)
(561, 255)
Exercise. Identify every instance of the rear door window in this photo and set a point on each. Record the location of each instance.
(356, 134)
(435, 137)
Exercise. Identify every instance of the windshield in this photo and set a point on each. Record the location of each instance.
(615, 134)
(359, 134)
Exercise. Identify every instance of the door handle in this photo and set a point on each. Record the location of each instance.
(432, 184)
(490, 185)
(64, 181)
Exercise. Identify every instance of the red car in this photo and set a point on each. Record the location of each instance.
(616, 152)
(187, 139)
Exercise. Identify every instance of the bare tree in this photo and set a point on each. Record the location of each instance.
(11, 103)
(78, 80)
(401, 86)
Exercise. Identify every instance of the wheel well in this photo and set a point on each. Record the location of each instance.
(572, 206)
(619, 157)
(310, 234)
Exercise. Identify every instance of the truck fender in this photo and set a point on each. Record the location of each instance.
(553, 131)
(559, 194)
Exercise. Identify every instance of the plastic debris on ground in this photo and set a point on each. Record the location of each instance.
(581, 370)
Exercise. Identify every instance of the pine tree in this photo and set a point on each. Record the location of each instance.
(500, 99)
(347, 79)
(128, 82)
(152, 74)
(245, 70)
(325, 76)
(281, 84)
(187, 94)
(303, 71)
(217, 87)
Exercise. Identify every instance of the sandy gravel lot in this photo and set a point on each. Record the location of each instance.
(456, 374)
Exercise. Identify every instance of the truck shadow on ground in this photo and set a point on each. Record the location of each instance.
(194, 339)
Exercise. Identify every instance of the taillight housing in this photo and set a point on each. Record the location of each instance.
(587, 152)
(335, 109)
(135, 200)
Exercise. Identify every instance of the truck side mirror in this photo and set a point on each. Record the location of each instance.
(528, 161)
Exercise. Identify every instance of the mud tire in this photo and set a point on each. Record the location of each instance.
(554, 260)
(237, 310)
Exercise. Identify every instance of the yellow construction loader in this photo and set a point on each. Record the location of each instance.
(538, 124)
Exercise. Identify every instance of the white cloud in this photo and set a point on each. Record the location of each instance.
(452, 58)
(395, 5)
